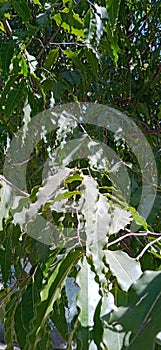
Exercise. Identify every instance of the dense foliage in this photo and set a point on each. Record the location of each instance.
(77, 56)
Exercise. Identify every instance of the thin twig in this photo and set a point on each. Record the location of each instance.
(66, 43)
(48, 43)
(141, 233)
(147, 247)
(14, 187)
(12, 289)
(7, 26)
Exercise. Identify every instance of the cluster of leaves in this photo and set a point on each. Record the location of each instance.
(56, 52)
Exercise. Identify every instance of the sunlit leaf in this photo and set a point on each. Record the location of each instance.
(120, 219)
(115, 339)
(32, 62)
(126, 269)
(74, 177)
(88, 296)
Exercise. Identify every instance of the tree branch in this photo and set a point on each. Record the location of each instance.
(14, 187)
(141, 233)
(148, 246)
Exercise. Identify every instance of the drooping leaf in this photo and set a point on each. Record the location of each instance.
(24, 66)
(73, 56)
(89, 25)
(49, 294)
(83, 337)
(113, 11)
(88, 296)
(5, 263)
(113, 39)
(7, 50)
(59, 319)
(51, 58)
(25, 310)
(4, 7)
(142, 315)
(22, 9)
(14, 97)
(19, 327)
(10, 310)
(95, 209)
(93, 62)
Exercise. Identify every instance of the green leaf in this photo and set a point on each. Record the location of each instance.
(138, 218)
(19, 327)
(74, 57)
(98, 326)
(6, 253)
(58, 318)
(7, 50)
(25, 310)
(42, 20)
(113, 40)
(49, 294)
(84, 336)
(74, 177)
(6, 89)
(113, 11)
(5, 263)
(10, 310)
(89, 25)
(126, 269)
(142, 315)
(70, 22)
(24, 66)
(93, 62)
(4, 7)
(36, 2)
(22, 9)
(66, 195)
(14, 97)
(51, 58)
(58, 19)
